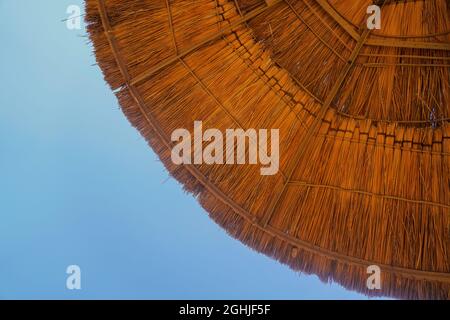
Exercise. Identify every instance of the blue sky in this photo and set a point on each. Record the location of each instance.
(78, 185)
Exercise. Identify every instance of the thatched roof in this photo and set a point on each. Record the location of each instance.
(363, 118)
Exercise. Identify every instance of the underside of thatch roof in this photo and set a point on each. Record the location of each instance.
(363, 118)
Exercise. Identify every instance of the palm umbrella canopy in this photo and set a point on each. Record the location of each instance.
(363, 118)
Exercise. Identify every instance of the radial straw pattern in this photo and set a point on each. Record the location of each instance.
(363, 117)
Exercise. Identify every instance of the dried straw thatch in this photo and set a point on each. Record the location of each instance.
(363, 117)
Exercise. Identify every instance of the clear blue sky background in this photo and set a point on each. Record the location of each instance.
(78, 185)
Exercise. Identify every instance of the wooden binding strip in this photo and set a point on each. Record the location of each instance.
(368, 193)
(379, 42)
